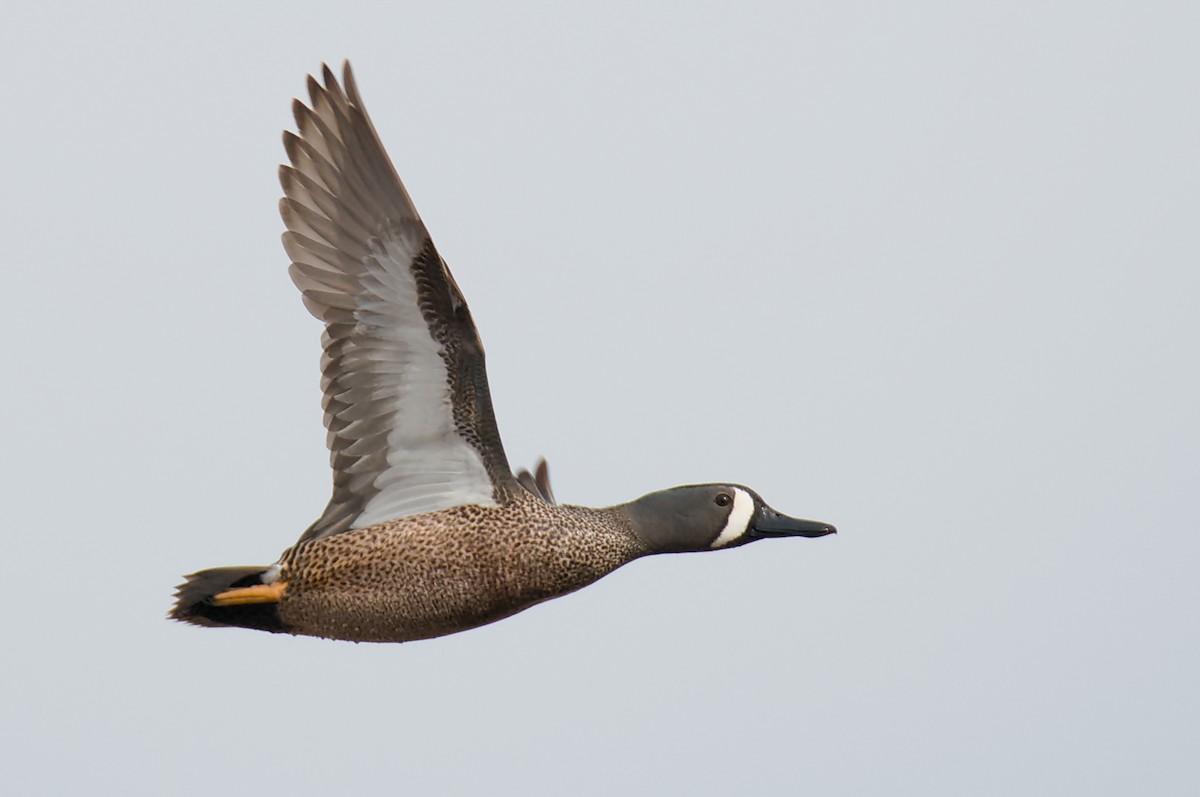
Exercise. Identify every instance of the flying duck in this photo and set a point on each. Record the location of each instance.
(428, 531)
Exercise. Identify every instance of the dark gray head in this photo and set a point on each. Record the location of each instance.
(704, 517)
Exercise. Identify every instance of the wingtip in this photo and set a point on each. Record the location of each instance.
(328, 77)
(350, 84)
(291, 144)
(537, 482)
(300, 111)
(315, 90)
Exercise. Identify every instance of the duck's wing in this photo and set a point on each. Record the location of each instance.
(537, 483)
(409, 417)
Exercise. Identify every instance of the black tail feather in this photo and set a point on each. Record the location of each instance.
(193, 600)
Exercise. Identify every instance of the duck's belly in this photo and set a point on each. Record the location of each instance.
(389, 584)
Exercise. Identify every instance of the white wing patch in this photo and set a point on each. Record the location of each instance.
(739, 519)
(429, 466)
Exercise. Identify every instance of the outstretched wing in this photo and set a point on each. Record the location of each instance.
(407, 409)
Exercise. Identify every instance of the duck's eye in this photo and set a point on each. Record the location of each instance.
(722, 499)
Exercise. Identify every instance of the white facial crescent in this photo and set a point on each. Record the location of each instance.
(739, 519)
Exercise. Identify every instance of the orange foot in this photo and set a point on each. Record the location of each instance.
(259, 593)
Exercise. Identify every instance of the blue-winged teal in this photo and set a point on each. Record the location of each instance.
(428, 531)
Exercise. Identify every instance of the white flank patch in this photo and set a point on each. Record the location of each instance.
(739, 518)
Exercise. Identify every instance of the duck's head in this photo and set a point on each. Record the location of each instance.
(706, 517)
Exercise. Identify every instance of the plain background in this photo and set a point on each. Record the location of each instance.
(927, 271)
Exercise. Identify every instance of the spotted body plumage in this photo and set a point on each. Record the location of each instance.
(448, 571)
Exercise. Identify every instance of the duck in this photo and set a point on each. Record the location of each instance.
(428, 531)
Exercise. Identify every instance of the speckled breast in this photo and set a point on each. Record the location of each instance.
(447, 571)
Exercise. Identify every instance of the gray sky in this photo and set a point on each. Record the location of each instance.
(926, 271)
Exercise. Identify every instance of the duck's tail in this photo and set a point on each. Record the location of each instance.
(239, 596)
